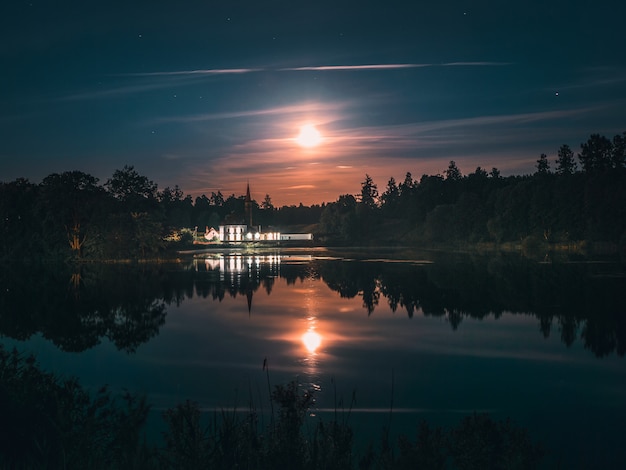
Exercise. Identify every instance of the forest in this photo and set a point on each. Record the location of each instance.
(574, 200)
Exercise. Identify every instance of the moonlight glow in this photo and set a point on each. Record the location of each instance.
(311, 340)
(309, 136)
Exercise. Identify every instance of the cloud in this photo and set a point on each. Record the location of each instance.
(385, 149)
(392, 150)
(618, 78)
(300, 186)
(127, 89)
(177, 76)
(391, 66)
(192, 72)
(356, 67)
(471, 64)
(311, 68)
(307, 107)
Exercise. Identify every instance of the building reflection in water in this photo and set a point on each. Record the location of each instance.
(245, 273)
(233, 266)
(240, 272)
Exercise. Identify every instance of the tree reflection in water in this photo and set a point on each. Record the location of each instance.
(127, 304)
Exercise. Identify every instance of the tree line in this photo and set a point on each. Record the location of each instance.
(580, 199)
(72, 215)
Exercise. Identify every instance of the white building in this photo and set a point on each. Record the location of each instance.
(242, 233)
(233, 232)
(296, 236)
(229, 233)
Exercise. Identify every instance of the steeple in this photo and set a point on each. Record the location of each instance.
(248, 206)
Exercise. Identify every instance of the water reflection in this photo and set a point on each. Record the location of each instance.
(231, 267)
(345, 327)
(311, 338)
(311, 341)
(128, 304)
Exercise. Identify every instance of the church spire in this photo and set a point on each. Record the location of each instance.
(248, 206)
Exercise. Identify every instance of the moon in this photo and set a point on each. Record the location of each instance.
(309, 136)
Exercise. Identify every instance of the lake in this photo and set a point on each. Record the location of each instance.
(387, 339)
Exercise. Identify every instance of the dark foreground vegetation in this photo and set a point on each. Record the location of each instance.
(51, 422)
(573, 202)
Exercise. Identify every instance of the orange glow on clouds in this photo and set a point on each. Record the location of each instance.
(329, 157)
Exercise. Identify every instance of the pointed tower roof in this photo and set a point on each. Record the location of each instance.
(249, 294)
(248, 206)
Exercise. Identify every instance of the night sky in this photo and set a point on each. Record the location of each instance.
(208, 95)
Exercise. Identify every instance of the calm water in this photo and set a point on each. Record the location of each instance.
(432, 337)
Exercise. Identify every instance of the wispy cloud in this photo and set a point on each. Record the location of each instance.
(300, 186)
(410, 140)
(471, 64)
(617, 77)
(316, 68)
(391, 66)
(193, 72)
(393, 149)
(309, 107)
(175, 77)
(521, 118)
(129, 88)
(113, 92)
(356, 67)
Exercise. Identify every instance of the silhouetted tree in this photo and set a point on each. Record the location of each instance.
(338, 219)
(201, 213)
(565, 164)
(267, 203)
(70, 205)
(369, 193)
(176, 207)
(453, 173)
(135, 191)
(596, 153)
(407, 185)
(618, 156)
(543, 166)
(217, 199)
(480, 172)
(390, 197)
